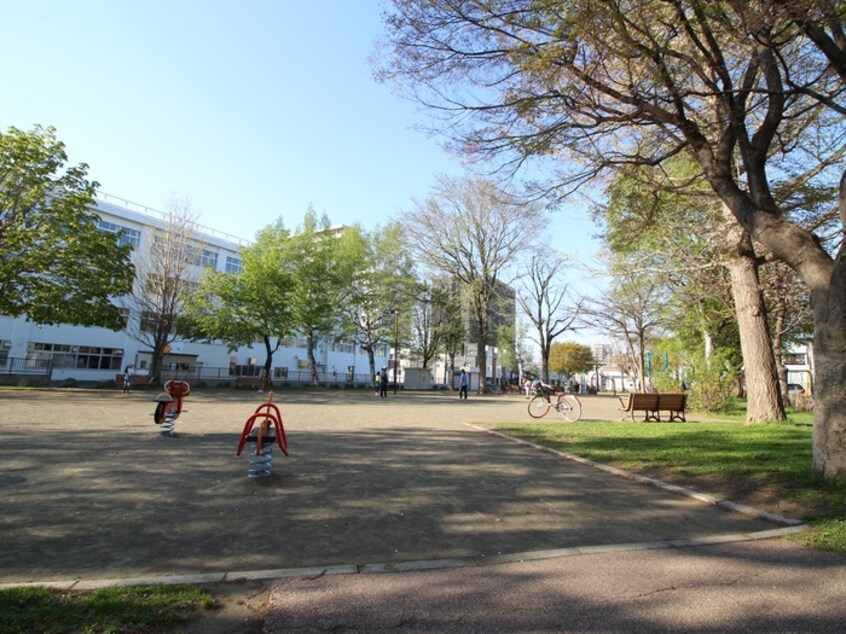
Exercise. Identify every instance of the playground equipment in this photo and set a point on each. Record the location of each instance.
(169, 405)
(269, 431)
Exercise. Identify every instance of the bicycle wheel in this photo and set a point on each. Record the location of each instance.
(569, 407)
(538, 406)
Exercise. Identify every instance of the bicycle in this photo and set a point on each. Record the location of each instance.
(568, 405)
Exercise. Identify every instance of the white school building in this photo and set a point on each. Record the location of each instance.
(96, 355)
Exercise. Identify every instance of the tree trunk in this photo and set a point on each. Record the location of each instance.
(781, 370)
(829, 358)
(315, 377)
(763, 398)
(268, 362)
(371, 358)
(483, 367)
(829, 436)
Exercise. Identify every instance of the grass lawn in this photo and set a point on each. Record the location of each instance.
(120, 609)
(768, 465)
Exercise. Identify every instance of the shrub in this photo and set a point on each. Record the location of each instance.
(712, 383)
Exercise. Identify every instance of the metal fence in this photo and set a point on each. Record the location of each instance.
(29, 367)
(217, 376)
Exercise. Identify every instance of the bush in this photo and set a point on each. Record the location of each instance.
(666, 384)
(712, 383)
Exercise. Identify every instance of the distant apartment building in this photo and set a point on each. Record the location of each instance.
(98, 354)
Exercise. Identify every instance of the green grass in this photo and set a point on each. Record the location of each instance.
(742, 460)
(130, 609)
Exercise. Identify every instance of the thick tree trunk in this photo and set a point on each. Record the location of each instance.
(763, 398)
(826, 279)
(829, 437)
(829, 355)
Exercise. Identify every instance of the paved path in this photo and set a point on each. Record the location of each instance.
(91, 494)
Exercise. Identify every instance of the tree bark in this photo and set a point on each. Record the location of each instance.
(829, 355)
(763, 398)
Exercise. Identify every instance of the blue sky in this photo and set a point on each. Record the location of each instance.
(253, 109)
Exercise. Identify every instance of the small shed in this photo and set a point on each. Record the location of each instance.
(417, 379)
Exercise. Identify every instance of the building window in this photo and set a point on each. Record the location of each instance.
(208, 259)
(280, 373)
(795, 358)
(5, 346)
(124, 315)
(70, 356)
(233, 265)
(340, 346)
(294, 342)
(125, 234)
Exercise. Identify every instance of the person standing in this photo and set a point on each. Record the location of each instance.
(383, 382)
(127, 378)
(463, 384)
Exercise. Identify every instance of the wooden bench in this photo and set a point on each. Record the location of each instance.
(248, 381)
(674, 404)
(646, 403)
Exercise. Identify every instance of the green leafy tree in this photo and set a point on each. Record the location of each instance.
(569, 358)
(320, 275)
(379, 287)
(254, 304)
(56, 266)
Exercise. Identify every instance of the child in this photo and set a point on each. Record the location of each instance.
(127, 378)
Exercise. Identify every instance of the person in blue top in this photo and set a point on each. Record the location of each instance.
(463, 384)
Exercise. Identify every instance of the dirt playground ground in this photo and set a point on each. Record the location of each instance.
(91, 490)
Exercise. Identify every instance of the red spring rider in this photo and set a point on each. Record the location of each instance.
(269, 430)
(169, 404)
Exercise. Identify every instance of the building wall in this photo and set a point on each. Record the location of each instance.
(112, 351)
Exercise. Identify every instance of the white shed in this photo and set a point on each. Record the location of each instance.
(417, 379)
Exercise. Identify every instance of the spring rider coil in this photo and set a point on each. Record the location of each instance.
(269, 431)
(169, 405)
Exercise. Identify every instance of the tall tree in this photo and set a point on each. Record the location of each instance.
(56, 266)
(647, 211)
(545, 300)
(254, 304)
(614, 82)
(320, 276)
(425, 337)
(472, 230)
(168, 272)
(450, 325)
(381, 281)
